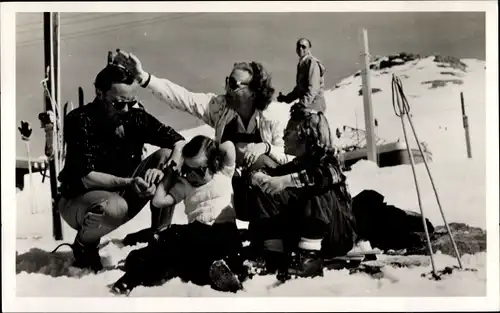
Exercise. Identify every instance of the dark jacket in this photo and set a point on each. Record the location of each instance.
(94, 145)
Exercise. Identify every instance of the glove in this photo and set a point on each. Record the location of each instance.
(25, 130)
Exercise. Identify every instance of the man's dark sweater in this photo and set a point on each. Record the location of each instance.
(94, 145)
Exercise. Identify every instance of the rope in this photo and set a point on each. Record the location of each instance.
(402, 108)
(62, 245)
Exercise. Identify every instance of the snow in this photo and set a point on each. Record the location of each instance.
(461, 184)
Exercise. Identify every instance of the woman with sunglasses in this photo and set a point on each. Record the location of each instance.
(244, 115)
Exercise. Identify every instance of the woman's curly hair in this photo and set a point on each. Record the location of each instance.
(312, 126)
(260, 84)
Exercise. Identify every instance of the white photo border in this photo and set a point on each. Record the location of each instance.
(8, 71)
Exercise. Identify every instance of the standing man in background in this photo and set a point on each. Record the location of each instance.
(310, 81)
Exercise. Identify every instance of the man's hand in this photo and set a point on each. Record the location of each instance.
(132, 64)
(142, 188)
(153, 176)
(253, 152)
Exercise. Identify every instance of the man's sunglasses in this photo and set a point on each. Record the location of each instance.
(302, 46)
(120, 104)
(198, 170)
(233, 84)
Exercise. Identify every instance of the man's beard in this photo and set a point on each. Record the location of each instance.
(110, 115)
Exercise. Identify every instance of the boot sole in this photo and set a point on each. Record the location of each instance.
(223, 278)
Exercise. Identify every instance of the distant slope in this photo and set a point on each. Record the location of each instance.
(432, 86)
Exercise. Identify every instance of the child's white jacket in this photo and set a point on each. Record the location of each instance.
(213, 110)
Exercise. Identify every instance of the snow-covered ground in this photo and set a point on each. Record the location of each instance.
(461, 184)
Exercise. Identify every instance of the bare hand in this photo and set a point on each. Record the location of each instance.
(153, 176)
(176, 160)
(259, 178)
(142, 188)
(273, 185)
(150, 192)
(131, 63)
(253, 152)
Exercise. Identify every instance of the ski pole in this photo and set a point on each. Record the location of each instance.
(26, 130)
(401, 111)
(32, 185)
(433, 185)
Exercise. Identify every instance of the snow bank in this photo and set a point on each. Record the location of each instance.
(38, 269)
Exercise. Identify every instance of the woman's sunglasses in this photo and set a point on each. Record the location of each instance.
(233, 85)
(197, 170)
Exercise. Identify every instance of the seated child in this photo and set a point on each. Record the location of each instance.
(303, 208)
(206, 250)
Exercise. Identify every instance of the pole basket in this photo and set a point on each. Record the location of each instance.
(448, 270)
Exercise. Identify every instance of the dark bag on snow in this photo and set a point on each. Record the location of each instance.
(386, 226)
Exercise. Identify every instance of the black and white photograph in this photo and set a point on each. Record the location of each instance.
(225, 150)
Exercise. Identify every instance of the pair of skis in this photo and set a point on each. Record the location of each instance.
(50, 121)
(55, 149)
(54, 146)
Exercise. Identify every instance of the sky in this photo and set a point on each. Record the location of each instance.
(197, 50)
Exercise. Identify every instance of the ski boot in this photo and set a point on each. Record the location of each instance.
(86, 256)
(306, 263)
(223, 278)
(125, 284)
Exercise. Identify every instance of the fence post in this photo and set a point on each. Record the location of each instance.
(465, 120)
(371, 145)
(52, 146)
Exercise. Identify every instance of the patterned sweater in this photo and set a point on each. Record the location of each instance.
(92, 144)
(317, 170)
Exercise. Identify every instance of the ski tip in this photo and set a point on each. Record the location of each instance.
(110, 57)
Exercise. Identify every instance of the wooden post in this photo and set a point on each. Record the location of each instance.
(54, 157)
(466, 127)
(367, 102)
(57, 86)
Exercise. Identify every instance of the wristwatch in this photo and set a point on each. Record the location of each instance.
(268, 148)
(146, 83)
